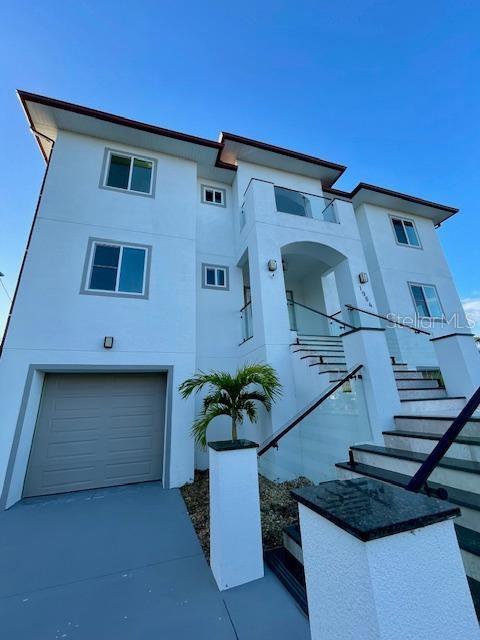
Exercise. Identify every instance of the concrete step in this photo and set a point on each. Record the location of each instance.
(468, 502)
(290, 573)
(334, 370)
(318, 350)
(400, 367)
(416, 383)
(410, 374)
(464, 447)
(422, 406)
(312, 359)
(460, 474)
(435, 424)
(422, 393)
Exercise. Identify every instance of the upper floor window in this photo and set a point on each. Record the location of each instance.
(214, 276)
(405, 232)
(213, 195)
(116, 269)
(131, 173)
(426, 301)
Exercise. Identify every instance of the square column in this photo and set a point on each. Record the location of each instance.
(236, 554)
(368, 346)
(459, 361)
(382, 563)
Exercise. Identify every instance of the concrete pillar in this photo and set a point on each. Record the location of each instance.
(382, 563)
(368, 346)
(459, 361)
(236, 555)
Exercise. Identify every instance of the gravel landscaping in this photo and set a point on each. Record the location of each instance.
(277, 507)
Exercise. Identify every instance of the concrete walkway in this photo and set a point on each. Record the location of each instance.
(125, 563)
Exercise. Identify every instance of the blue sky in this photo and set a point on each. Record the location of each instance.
(391, 89)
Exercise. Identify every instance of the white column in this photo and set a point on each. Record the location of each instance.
(236, 554)
(459, 361)
(368, 346)
(407, 581)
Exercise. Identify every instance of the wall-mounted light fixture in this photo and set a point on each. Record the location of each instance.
(108, 342)
(272, 265)
(363, 277)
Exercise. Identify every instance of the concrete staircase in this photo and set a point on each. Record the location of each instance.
(427, 412)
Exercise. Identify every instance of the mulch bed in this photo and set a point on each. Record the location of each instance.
(277, 508)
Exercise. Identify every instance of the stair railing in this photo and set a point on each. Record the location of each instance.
(420, 478)
(387, 319)
(273, 440)
(294, 303)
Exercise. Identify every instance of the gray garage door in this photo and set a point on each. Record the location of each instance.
(97, 430)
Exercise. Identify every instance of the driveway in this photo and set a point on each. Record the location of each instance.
(125, 563)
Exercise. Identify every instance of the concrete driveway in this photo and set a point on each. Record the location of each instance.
(125, 563)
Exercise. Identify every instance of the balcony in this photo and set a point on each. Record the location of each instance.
(305, 205)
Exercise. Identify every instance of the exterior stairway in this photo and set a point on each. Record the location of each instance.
(427, 412)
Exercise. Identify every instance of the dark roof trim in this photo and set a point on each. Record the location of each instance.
(403, 196)
(281, 150)
(389, 192)
(25, 97)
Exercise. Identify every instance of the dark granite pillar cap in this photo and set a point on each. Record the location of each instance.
(232, 445)
(369, 509)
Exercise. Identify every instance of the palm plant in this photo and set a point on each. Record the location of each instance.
(232, 395)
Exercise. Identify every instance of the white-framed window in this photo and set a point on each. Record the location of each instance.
(426, 300)
(116, 269)
(405, 232)
(213, 195)
(129, 172)
(215, 276)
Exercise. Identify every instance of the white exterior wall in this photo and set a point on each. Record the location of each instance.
(391, 266)
(182, 326)
(55, 325)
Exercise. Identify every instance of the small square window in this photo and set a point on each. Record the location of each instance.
(405, 232)
(212, 195)
(426, 301)
(116, 269)
(214, 276)
(129, 173)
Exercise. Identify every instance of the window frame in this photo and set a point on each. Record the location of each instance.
(223, 192)
(422, 285)
(88, 267)
(217, 267)
(403, 220)
(109, 152)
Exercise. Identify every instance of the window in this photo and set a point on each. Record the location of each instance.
(116, 269)
(212, 195)
(405, 232)
(215, 276)
(425, 298)
(129, 172)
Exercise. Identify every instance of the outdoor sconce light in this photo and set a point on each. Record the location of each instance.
(272, 265)
(108, 342)
(363, 277)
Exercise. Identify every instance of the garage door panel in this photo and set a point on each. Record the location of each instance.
(89, 435)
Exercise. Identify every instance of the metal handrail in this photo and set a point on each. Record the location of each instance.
(419, 480)
(272, 441)
(245, 306)
(397, 322)
(344, 324)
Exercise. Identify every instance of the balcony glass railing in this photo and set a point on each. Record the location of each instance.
(306, 205)
(310, 445)
(247, 323)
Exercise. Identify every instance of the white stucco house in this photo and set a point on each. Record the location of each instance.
(154, 253)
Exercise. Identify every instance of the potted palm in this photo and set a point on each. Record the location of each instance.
(232, 395)
(236, 555)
